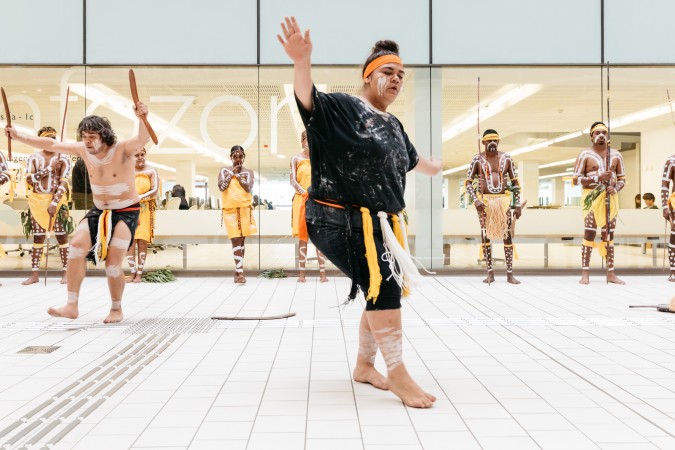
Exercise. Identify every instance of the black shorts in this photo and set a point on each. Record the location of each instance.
(130, 218)
(328, 230)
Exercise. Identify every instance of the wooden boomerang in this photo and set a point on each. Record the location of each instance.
(134, 95)
(280, 316)
(8, 118)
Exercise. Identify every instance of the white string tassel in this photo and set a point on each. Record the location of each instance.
(404, 227)
(406, 273)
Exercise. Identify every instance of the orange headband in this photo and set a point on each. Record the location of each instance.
(380, 61)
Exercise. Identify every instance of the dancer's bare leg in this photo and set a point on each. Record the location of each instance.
(486, 247)
(509, 251)
(79, 246)
(302, 260)
(386, 327)
(36, 252)
(611, 276)
(365, 372)
(238, 255)
(142, 252)
(322, 266)
(586, 249)
(62, 239)
(671, 253)
(131, 261)
(113, 269)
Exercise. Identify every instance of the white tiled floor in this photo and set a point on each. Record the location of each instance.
(546, 364)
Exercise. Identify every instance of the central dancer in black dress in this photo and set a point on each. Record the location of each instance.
(360, 156)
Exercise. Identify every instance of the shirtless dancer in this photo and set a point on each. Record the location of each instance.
(493, 200)
(5, 177)
(668, 203)
(590, 171)
(111, 172)
(147, 184)
(47, 177)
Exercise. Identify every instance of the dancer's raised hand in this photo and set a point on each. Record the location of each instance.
(298, 46)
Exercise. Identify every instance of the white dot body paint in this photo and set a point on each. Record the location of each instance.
(113, 271)
(381, 85)
(391, 346)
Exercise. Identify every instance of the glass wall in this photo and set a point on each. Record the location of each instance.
(543, 116)
(199, 113)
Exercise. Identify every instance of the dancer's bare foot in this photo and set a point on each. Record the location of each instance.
(490, 278)
(511, 279)
(612, 278)
(114, 316)
(368, 374)
(584, 277)
(322, 276)
(671, 278)
(301, 277)
(129, 278)
(138, 278)
(239, 278)
(64, 278)
(34, 278)
(401, 384)
(69, 311)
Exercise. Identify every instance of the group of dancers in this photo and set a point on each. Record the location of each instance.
(349, 182)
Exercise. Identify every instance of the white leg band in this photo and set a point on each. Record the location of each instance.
(119, 243)
(116, 305)
(238, 260)
(76, 253)
(72, 298)
(390, 343)
(113, 271)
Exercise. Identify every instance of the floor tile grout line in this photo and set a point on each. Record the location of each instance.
(479, 381)
(528, 342)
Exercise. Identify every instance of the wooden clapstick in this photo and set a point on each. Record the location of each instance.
(8, 118)
(134, 96)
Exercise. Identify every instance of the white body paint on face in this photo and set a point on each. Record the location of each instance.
(113, 189)
(597, 138)
(381, 85)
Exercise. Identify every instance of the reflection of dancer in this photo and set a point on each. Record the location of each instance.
(147, 184)
(110, 226)
(301, 178)
(48, 191)
(668, 203)
(360, 155)
(5, 177)
(591, 172)
(493, 201)
(236, 183)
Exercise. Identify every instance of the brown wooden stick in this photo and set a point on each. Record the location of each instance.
(8, 119)
(280, 316)
(134, 96)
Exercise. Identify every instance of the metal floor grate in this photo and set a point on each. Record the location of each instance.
(184, 325)
(39, 349)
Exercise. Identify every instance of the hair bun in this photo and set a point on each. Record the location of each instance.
(385, 46)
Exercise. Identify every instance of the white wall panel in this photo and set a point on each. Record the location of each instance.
(516, 31)
(41, 32)
(639, 32)
(171, 32)
(343, 32)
